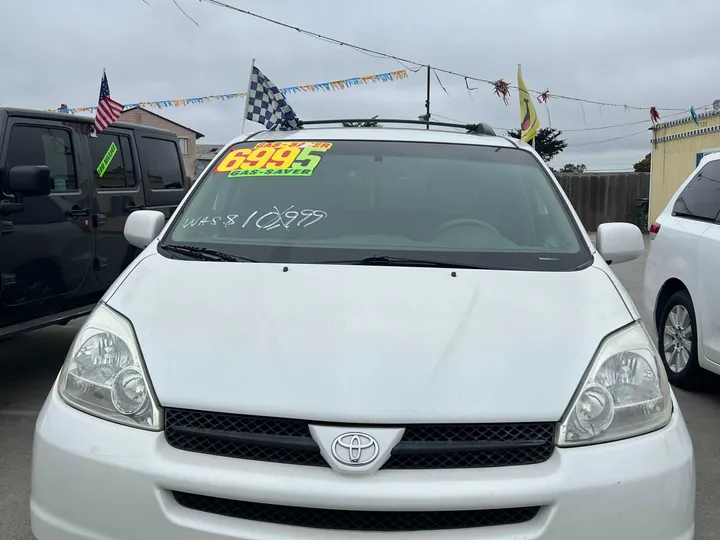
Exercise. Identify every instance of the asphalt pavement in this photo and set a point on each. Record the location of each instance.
(30, 363)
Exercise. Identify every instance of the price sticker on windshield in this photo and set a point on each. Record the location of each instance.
(287, 158)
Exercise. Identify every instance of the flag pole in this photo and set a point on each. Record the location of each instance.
(427, 101)
(247, 96)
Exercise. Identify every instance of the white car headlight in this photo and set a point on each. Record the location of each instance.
(104, 373)
(625, 392)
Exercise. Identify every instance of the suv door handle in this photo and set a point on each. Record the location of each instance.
(78, 212)
(133, 207)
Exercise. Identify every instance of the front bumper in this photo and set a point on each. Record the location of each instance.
(95, 480)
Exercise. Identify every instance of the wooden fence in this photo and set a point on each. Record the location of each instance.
(599, 198)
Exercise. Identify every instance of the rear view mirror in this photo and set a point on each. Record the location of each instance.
(29, 180)
(143, 226)
(619, 242)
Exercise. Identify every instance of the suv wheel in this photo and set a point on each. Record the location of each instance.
(677, 341)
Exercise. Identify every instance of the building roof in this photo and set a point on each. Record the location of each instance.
(207, 151)
(686, 119)
(199, 135)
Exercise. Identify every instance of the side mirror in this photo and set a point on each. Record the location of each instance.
(143, 226)
(619, 242)
(29, 180)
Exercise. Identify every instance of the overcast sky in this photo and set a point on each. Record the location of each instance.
(635, 52)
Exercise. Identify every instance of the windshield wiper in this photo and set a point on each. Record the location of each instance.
(385, 260)
(204, 254)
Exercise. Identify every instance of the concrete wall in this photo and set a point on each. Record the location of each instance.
(674, 155)
(145, 118)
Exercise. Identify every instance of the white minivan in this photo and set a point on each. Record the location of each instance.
(366, 333)
(681, 277)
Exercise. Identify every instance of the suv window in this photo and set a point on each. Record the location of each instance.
(35, 145)
(161, 163)
(315, 201)
(701, 197)
(112, 161)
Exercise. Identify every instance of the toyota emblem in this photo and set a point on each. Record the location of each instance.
(355, 449)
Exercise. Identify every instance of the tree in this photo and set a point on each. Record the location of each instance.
(572, 168)
(547, 142)
(643, 165)
(367, 123)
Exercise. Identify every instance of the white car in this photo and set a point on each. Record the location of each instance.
(366, 333)
(682, 284)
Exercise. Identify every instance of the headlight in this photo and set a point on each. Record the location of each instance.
(625, 393)
(104, 374)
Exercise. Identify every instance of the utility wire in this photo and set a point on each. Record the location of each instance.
(592, 143)
(185, 13)
(380, 54)
(632, 123)
(613, 126)
(607, 127)
(578, 145)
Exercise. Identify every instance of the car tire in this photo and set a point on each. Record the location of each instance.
(677, 341)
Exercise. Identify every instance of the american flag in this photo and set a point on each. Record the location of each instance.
(108, 110)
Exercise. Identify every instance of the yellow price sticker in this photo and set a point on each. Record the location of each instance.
(274, 159)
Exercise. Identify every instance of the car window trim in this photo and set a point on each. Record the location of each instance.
(181, 163)
(679, 195)
(694, 218)
(128, 190)
(585, 247)
(554, 184)
(136, 188)
(46, 125)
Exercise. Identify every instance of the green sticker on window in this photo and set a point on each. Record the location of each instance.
(105, 163)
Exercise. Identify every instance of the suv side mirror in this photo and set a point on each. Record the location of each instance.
(619, 242)
(29, 180)
(143, 226)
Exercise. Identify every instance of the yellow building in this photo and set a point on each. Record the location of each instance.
(677, 148)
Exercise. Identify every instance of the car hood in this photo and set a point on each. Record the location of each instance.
(367, 344)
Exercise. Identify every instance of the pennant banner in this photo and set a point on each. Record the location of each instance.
(320, 87)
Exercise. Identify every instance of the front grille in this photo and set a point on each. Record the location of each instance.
(464, 446)
(239, 436)
(356, 520)
(424, 446)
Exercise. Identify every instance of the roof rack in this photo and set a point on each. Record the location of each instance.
(475, 129)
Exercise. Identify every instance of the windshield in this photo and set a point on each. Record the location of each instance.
(321, 201)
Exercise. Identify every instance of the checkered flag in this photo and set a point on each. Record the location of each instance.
(266, 104)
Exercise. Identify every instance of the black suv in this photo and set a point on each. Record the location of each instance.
(65, 193)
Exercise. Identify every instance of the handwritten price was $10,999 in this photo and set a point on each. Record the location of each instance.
(268, 221)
